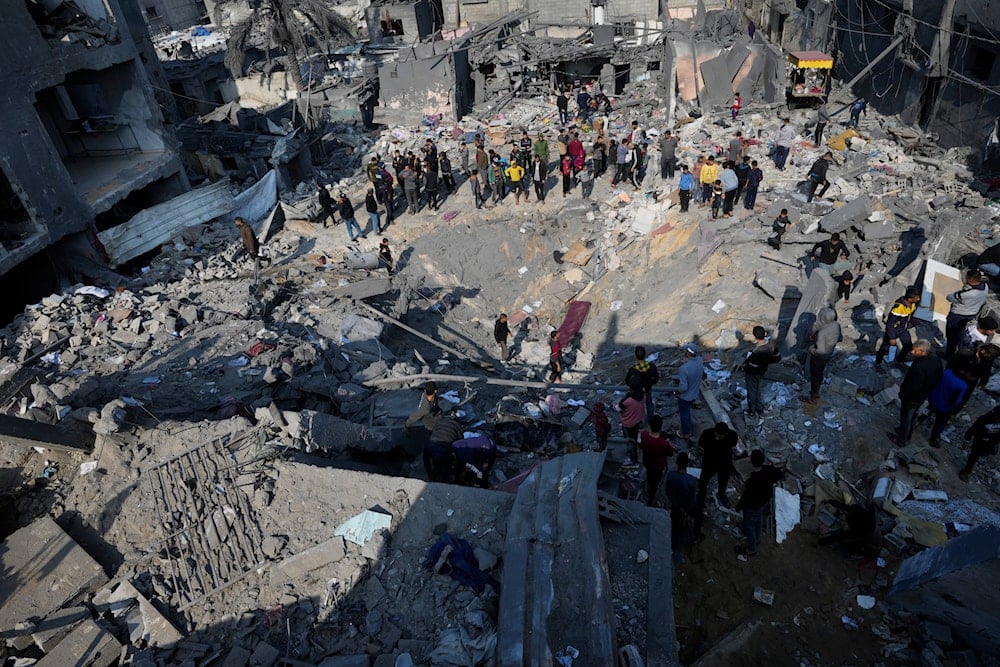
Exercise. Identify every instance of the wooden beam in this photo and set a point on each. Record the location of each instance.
(527, 384)
(447, 348)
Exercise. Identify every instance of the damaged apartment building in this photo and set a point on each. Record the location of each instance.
(932, 62)
(529, 51)
(84, 147)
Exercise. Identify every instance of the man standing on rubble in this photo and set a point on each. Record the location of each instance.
(539, 172)
(621, 164)
(817, 175)
(685, 187)
(736, 147)
(518, 182)
(742, 170)
(482, 160)
(965, 306)
(898, 323)
(411, 188)
(668, 155)
(830, 252)
(645, 373)
(756, 497)
(754, 179)
(717, 445)
(501, 333)
(656, 449)
(763, 354)
(730, 185)
(371, 206)
(688, 388)
(447, 177)
(709, 175)
(562, 104)
(682, 493)
(822, 118)
(463, 157)
(922, 376)
(346, 209)
(982, 438)
(583, 104)
(825, 336)
(541, 148)
(477, 188)
(325, 205)
(783, 144)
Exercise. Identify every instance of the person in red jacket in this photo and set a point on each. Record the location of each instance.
(633, 411)
(602, 425)
(655, 451)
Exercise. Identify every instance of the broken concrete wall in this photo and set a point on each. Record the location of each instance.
(167, 15)
(946, 584)
(423, 81)
(401, 23)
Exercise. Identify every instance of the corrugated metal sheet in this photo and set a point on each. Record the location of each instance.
(155, 226)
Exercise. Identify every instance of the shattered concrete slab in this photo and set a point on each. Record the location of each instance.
(43, 568)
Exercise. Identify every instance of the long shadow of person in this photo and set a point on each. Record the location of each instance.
(404, 258)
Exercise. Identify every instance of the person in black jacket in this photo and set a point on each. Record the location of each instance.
(717, 444)
(431, 186)
(763, 354)
(898, 323)
(831, 251)
(925, 372)
(755, 499)
(371, 206)
(977, 363)
(817, 175)
(501, 332)
(985, 437)
(447, 177)
(325, 206)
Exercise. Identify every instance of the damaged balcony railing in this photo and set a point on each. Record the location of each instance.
(211, 537)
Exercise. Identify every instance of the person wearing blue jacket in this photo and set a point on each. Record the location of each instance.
(688, 388)
(685, 187)
(945, 400)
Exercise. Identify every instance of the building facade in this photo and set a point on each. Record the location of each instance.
(83, 146)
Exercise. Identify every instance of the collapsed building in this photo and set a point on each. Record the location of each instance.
(85, 147)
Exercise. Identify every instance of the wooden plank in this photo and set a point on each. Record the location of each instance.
(154, 226)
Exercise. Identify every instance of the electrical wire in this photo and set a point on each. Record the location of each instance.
(896, 10)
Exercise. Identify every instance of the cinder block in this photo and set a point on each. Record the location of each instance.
(322, 554)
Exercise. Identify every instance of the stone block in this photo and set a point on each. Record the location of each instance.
(264, 655)
(154, 627)
(853, 212)
(843, 386)
(297, 566)
(347, 661)
(237, 657)
(43, 568)
(89, 644)
(887, 395)
(51, 630)
(945, 584)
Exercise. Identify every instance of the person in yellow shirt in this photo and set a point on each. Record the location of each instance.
(709, 174)
(515, 175)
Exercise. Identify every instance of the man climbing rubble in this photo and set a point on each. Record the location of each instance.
(898, 323)
(428, 412)
(438, 452)
(825, 336)
(817, 176)
(965, 306)
(830, 252)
